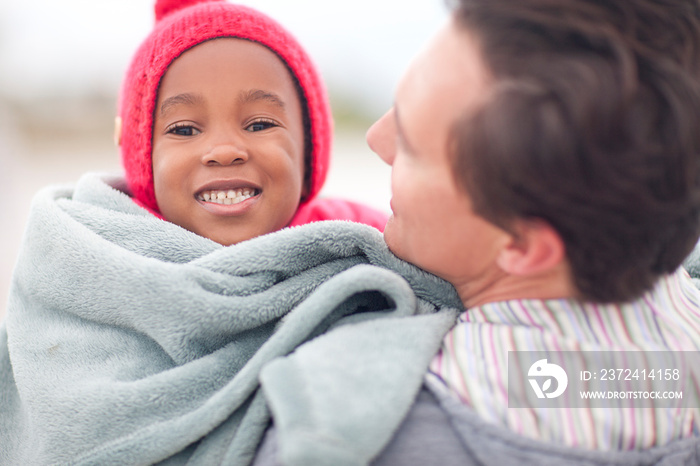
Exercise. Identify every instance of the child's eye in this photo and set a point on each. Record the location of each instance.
(260, 125)
(183, 130)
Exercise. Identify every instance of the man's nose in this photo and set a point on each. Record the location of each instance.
(381, 137)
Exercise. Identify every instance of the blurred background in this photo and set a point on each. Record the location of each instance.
(61, 64)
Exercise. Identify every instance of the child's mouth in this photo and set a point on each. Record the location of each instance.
(227, 196)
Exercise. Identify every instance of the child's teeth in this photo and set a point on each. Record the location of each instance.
(228, 197)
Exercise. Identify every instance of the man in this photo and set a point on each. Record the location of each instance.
(546, 162)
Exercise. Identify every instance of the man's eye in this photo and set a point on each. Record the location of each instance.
(260, 125)
(183, 130)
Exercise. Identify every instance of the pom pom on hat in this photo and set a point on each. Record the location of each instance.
(181, 25)
(165, 7)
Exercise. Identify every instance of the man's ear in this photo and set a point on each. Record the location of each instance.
(535, 247)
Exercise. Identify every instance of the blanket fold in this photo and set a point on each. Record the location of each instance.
(129, 340)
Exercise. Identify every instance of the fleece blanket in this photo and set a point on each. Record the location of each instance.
(129, 340)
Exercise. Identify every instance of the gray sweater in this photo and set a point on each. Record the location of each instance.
(439, 430)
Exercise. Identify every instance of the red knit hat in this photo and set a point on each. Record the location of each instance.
(182, 24)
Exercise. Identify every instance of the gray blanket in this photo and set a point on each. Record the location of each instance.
(129, 340)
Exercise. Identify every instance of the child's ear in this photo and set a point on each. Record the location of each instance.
(117, 131)
(305, 188)
(536, 247)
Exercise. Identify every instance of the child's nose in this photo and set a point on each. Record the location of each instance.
(225, 154)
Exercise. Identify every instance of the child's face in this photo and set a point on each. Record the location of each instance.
(228, 142)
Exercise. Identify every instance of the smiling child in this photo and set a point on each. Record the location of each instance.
(224, 125)
(134, 333)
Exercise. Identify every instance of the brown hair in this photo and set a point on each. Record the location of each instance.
(594, 127)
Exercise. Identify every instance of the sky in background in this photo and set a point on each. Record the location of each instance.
(74, 47)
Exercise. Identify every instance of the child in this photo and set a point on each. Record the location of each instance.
(224, 125)
(133, 340)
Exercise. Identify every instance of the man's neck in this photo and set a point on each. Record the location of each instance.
(552, 284)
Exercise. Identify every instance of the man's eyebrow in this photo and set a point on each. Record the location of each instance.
(400, 132)
(180, 99)
(255, 95)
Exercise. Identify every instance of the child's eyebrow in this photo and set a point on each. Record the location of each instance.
(255, 95)
(180, 99)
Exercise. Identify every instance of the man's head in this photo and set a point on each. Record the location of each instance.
(580, 138)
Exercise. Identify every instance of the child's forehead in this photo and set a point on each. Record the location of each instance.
(223, 51)
(228, 71)
(227, 59)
